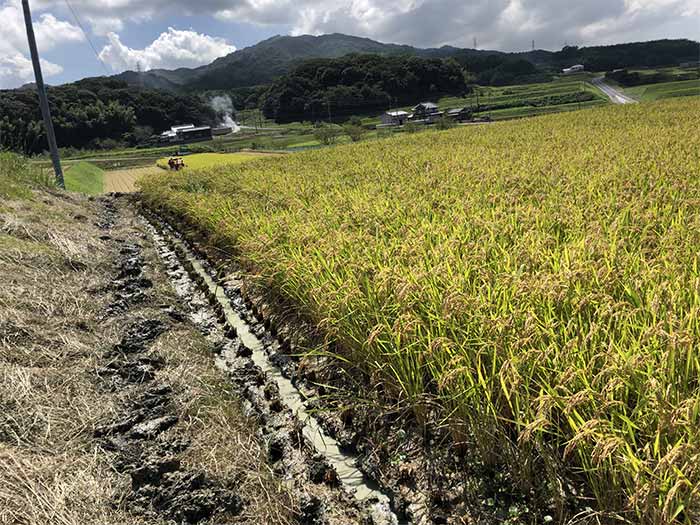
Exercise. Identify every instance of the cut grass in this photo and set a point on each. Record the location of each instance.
(84, 177)
(53, 339)
(124, 181)
(537, 279)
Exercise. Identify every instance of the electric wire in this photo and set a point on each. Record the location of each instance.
(80, 25)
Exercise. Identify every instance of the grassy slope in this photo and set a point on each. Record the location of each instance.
(18, 176)
(54, 338)
(539, 278)
(84, 177)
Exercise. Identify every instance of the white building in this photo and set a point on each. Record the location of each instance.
(171, 134)
(573, 69)
(394, 118)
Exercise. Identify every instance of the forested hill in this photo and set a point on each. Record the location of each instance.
(94, 113)
(276, 56)
(358, 83)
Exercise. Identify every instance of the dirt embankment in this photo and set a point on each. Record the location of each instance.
(111, 410)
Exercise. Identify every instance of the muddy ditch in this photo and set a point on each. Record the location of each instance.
(141, 437)
(299, 451)
(262, 365)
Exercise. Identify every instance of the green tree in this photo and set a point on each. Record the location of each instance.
(327, 133)
(354, 132)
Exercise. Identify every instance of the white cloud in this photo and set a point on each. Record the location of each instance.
(17, 69)
(508, 25)
(172, 49)
(15, 66)
(103, 25)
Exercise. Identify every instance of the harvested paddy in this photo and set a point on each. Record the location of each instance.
(124, 181)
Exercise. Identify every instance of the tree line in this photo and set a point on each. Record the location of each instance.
(328, 89)
(94, 113)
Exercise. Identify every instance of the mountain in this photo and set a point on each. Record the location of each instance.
(271, 58)
(277, 56)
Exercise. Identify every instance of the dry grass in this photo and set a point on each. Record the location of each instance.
(222, 443)
(50, 470)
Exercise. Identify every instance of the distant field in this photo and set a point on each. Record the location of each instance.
(84, 177)
(524, 100)
(538, 280)
(673, 74)
(648, 92)
(211, 160)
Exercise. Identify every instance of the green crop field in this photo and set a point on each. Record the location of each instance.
(684, 88)
(539, 280)
(525, 100)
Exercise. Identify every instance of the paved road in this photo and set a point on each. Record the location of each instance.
(615, 96)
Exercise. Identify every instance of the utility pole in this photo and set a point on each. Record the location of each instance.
(43, 100)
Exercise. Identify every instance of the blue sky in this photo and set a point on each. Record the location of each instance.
(182, 33)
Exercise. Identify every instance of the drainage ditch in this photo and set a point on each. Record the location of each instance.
(299, 449)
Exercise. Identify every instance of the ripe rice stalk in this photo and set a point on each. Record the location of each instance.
(539, 280)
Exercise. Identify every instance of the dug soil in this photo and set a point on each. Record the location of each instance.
(111, 407)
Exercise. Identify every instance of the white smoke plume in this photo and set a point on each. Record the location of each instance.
(223, 105)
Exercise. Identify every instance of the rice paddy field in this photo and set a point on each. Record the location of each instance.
(539, 280)
(209, 160)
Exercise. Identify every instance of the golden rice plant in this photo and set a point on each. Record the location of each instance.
(539, 278)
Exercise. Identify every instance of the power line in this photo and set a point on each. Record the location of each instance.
(80, 25)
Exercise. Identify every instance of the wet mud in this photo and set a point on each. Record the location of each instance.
(144, 438)
(329, 486)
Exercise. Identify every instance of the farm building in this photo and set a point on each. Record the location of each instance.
(394, 118)
(460, 114)
(186, 133)
(195, 134)
(426, 113)
(573, 69)
(424, 108)
(171, 134)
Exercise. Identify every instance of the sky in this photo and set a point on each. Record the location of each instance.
(128, 34)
